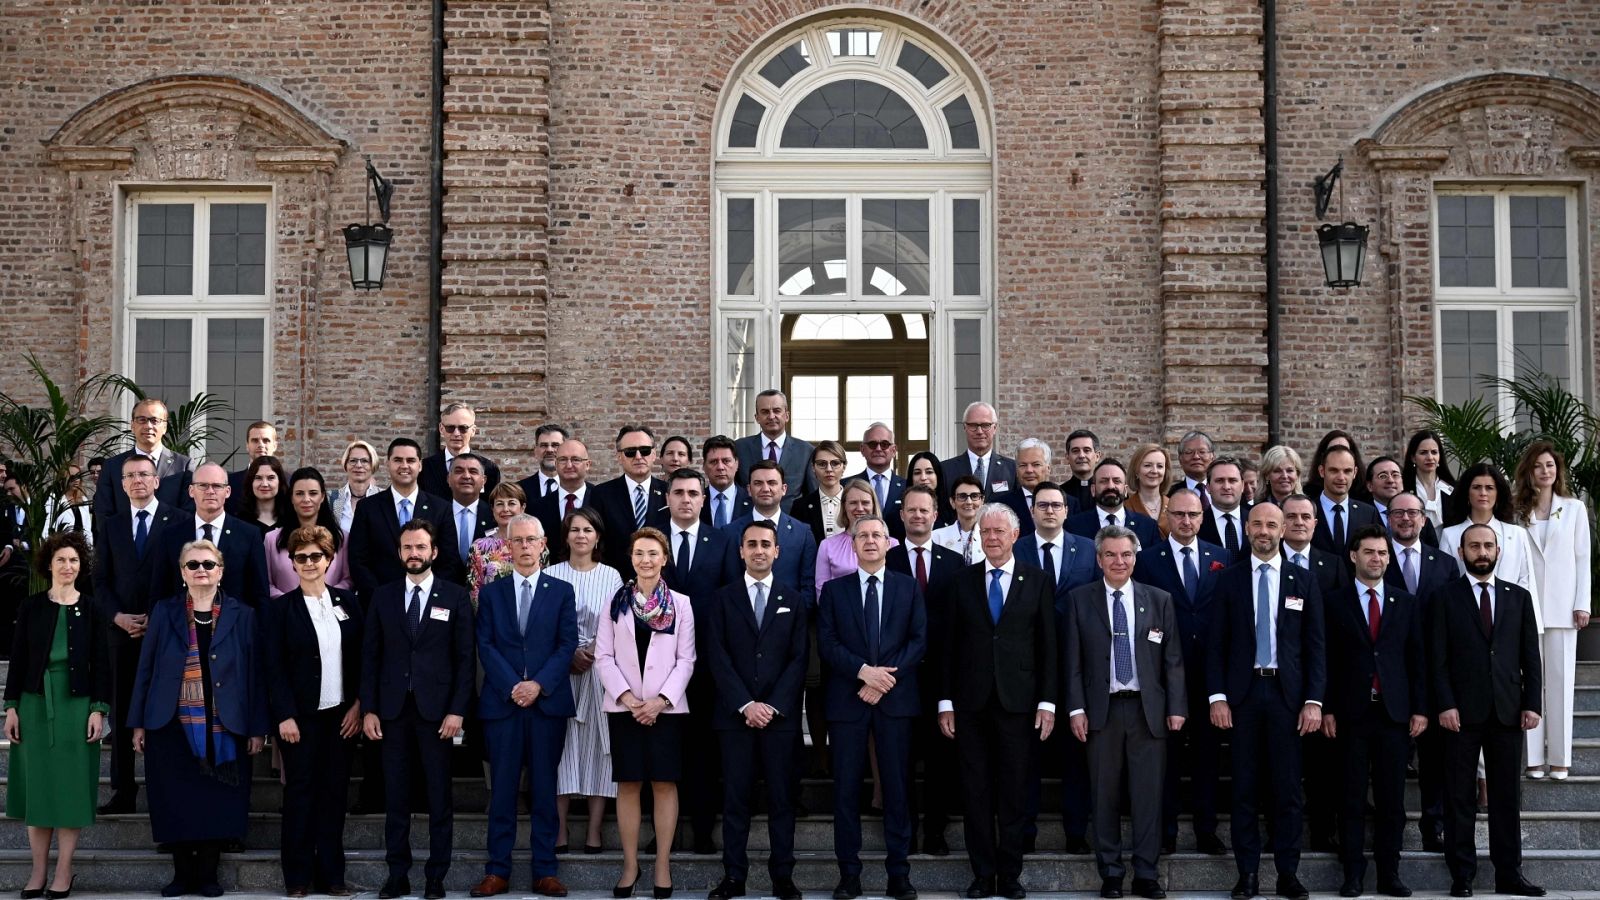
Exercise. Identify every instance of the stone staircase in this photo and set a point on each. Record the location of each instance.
(1561, 837)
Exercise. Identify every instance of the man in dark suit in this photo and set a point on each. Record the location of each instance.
(471, 513)
(458, 425)
(999, 685)
(1195, 455)
(1125, 689)
(1033, 469)
(873, 638)
(1110, 493)
(572, 491)
(1385, 482)
(418, 665)
(1338, 513)
(149, 426)
(1299, 524)
(633, 499)
(879, 448)
(527, 631)
(794, 567)
(755, 638)
(1083, 454)
(125, 553)
(1485, 669)
(1187, 568)
(1226, 510)
(1377, 697)
(547, 442)
(260, 439)
(726, 499)
(996, 473)
(375, 531)
(774, 442)
(1267, 675)
(244, 573)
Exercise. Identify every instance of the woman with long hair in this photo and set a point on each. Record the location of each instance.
(1279, 476)
(1426, 473)
(309, 499)
(924, 469)
(1153, 475)
(266, 501)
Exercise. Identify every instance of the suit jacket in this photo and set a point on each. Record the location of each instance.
(1158, 567)
(1516, 563)
(1089, 522)
(532, 487)
(551, 509)
(1073, 552)
(808, 510)
(121, 576)
(293, 658)
(88, 660)
(1357, 514)
(437, 668)
(239, 692)
(244, 573)
(895, 489)
(796, 565)
(668, 665)
(795, 460)
(1211, 534)
(709, 567)
(435, 478)
(1561, 562)
(842, 644)
(1000, 477)
(1396, 657)
(1301, 634)
(1332, 570)
(1435, 569)
(542, 653)
(614, 501)
(172, 484)
(756, 662)
(742, 505)
(1080, 495)
(1485, 679)
(1015, 660)
(374, 555)
(1157, 654)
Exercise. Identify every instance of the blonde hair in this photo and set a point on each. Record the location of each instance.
(1143, 450)
(856, 484)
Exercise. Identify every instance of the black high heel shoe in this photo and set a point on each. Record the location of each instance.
(62, 895)
(661, 893)
(622, 892)
(32, 893)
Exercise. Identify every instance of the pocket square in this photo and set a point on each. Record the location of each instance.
(781, 610)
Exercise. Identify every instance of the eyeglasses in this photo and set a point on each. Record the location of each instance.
(979, 426)
(877, 445)
(149, 420)
(1049, 505)
(1177, 514)
(828, 464)
(358, 461)
(303, 559)
(195, 565)
(636, 452)
(572, 460)
(210, 487)
(969, 498)
(526, 539)
(457, 429)
(1405, 513)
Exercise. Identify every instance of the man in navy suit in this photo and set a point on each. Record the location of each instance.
(375, 530)
(260, 439)
(1110, 485)
(1267, 675)
(572, 491)
(873, 634)
(1385, 481)
(458, 425)
(149, 426)
(1226, 510)
(755, 636)
(418, 665)
(1187, 568)
(1330, 570)
(244, 574)
(774, 442)
(1033, 469)
(469, 510)
(633, 499)
(726, 499)
(527, 632)
(879, 449)
(1339, 514)
(796, 565)
(995, 472)
(122, 591)
(547, 442)
(1377, 699)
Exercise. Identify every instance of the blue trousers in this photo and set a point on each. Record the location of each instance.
(523, 740)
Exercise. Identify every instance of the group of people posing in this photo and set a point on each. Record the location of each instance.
(763, 615)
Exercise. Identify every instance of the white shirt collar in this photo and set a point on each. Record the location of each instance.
(974, 457)
(1177, 545)
(637, 484)
(1007, 567)
(913, 546)
(1058, 540)
(149, 507)
(693, 528)
(415, 493)
(426, 584)
(750, 583)
(216, 523)
(456, 508)
(757, 515)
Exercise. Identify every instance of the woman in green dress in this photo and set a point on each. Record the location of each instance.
(58, 693)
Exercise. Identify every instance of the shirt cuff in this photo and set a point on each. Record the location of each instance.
(1316, 703)
(743, 708)
(1076, 712)
(1048, 707)
(946, 706)
(1215, 697)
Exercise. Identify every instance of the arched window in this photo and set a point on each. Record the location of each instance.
(854, 181)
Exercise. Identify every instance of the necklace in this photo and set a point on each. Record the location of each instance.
(206, 621)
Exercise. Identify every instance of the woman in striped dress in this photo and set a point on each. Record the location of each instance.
(586, 759)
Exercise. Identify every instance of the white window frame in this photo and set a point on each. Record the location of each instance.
(1505, 300)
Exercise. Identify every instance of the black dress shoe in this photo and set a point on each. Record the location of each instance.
(433, 889)
(726, 889)
(1351, 887)
(1325, 843)
(118, 805)
(1030, 844)
(1432, 843)
(1210, 845)
(849, 888)
(1077, 846)
(900, 889)
(934, 844)
(1111, 888)
(1460, 889)
(1011, 890)
(394, 887)
(1289, 886)
(562, 849)
(1393, 887)
(1246, 887)
(1520, 887)
(704, 847)
(33, 893)
(1148, 888)
(980, 888)
(784, 889)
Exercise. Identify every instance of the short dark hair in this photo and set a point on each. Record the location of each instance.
(1084, 433)
(766, 464)
(718, 442)
(967, 479)
(774, 392)
(1108, 461)
(1371, 466)
(1224, 461)
(688, 448)
(548, 427)
(630, 428)
(136, 458)
(921, 489)
(762, 524)
(402, 442)
(687, 474)
(469, 456)
(98, 461)
(1366, 533)
(417, 525)
(1043, 486)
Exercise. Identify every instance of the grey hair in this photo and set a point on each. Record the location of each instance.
(1198, 436)
(457, 406)
(977, 403)
(1114, 532)
(999, 509)
(524, 517)
(856, 525)
(1032, 444)
(875, 425)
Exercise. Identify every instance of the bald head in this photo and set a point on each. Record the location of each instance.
(209, 490)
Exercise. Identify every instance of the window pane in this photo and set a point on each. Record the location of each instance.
(1538, 242)
(1468, 350)
(741, 246)
(868, 399)
(811, 257)
(842, 327)
(746, 122)
(161, 356)
(966, 259)
(789, 61)
(854, 114)
(917, 408)
(854, 42)
(815, 411)
(916, 326)
(1466, 240)
(238, 248)
(1540, 343)
(969, 361)
(894, 247)
(921, 66)
(236, 372)
(166, 248)
(741, 370)
(963, 127)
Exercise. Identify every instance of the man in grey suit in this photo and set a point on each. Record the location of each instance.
(775, 443)
(997, 473)
(1125, 688)
(149, 425)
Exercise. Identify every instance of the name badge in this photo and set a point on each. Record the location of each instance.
(340, 614)
(1000, 486)
(1294, 603)
(438, 613)
(1155, 636)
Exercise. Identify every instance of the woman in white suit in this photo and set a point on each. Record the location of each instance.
(644, 654)
(1558, 523)
(1482, 497)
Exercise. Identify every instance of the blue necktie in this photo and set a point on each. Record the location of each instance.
(883, 495)
(1264, 619)
(405, 512)
(1119, 634)
(996, 599)
(720, 517)
(1191, 575)
(464, 533)
(874, 626)
(524, 606)
(141, 532)
(638, 506)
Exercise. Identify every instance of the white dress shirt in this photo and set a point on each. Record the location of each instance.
(1006, 569)
(427, 591)
(216, 527)
(830, 512)
(1132, 684)
(693, 531)
(1055, 552)
(412, 498)
(329, 649)
(149, 521)
(1274, 578)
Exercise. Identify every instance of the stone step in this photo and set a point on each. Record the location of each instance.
(1586, 698)
(1586, 724)
(1588, 672)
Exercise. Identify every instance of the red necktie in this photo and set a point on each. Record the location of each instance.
(922, 572)
(570, 498)
(1374, 616)
(1485, 613)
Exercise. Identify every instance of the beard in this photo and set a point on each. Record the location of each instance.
(415, 567)
(1109, 498)
(1479, 565)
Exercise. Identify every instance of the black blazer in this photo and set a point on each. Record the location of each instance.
(808, 509)
(714, 563)
(172, 485)
(435, 479)
(999, 477)
(88, 661)
(1485, 679)
(1357, 514)
(1157, 567)
(751, 662)
(293, 658)
(895, 489)
(1301, 633)
(438, 668)
(1396, 658)
(244, 573)
(1332, 570)
(374, 554)
(614, 501)
(121, 575)
(531, 488)
(1089, 522)
(1435, 569)
(1211, 534)
(1017, 659)
(551, 509)
(741, 505)
(943, 568)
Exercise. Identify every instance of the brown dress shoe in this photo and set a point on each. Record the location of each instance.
(490, 886)
(550, 886)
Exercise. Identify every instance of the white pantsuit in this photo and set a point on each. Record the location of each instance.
(1561, 565)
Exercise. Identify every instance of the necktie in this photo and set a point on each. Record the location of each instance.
(1123, 650)
(1049, 558)
(1408, 569)
(207, 531)
(141, 532)
(966, 549)
(1205, 495)
(638, 506)
(464, 533)
(1191, 575)
(720, 517)
(416, 610)
(1485, 611)
(524, 606)
(1264, 619)
(1299, 559)
(1230, 534)
(572, 501)
(405, 512)
(1374, 616)
(772, 451)
(1111, 520)
(982, 473)
(877, 486)
(874, 627)
(761, 603)
(922, 571)
(996, 599)
(1338, 526)
(684, 556)
(549, 485)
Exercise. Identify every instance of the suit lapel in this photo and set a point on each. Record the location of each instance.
(1017, 579)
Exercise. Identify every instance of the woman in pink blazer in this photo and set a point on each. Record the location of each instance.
(645, 655)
